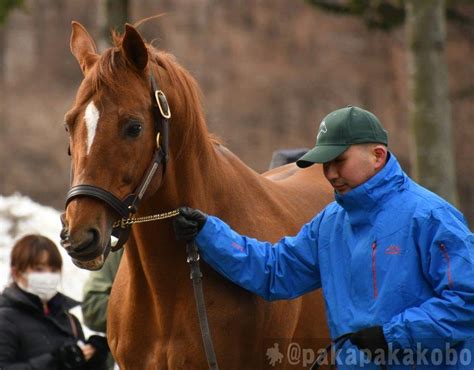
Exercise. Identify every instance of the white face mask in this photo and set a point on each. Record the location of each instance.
(42, 284)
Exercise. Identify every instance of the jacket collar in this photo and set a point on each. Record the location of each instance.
(361, 202)
(14, 296)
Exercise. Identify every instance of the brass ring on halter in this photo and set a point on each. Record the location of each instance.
(162, 103)
(158, 146)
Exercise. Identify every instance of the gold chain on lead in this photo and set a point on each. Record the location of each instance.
(124, 222)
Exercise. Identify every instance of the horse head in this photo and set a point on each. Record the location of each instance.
(118, 141)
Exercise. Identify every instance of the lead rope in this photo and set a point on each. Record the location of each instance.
(125, 222)
(196, 277)
(337, 343)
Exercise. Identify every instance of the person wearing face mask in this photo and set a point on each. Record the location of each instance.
(36, 329)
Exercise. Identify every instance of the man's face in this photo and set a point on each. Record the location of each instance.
(355, 166)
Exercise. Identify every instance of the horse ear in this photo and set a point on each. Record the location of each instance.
(134, 48)
(83, 47)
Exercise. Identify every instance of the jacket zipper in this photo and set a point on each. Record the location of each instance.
(374, 270)
(443, 250)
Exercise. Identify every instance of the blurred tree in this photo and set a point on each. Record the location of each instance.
(387, 14)
(2, 60)
(429, 111)
(6, 6)
(48, 20)
(382, 14)
(113, 14)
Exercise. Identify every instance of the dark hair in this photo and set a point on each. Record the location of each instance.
(28, 250)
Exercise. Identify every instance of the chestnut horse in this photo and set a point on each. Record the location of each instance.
(152, 321)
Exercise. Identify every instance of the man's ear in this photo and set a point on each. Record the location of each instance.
(380, 153)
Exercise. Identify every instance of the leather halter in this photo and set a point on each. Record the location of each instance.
(129, 205)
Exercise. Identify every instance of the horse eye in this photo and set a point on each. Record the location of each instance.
(133, 129)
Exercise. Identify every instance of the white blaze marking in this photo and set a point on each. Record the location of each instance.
(91, 117)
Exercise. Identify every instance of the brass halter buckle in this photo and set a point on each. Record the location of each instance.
(158, 145)
(162, 102)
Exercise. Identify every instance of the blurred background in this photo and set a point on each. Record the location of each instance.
(269, 71)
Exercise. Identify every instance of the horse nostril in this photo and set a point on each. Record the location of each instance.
(90, 239)
(65, 239)
(95, 236)
(82, 245)
(64, 234)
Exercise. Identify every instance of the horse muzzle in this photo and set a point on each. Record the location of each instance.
(85, 246)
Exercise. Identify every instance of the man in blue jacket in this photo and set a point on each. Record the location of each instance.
(394, 260)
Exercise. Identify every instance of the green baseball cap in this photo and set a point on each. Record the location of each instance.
(341, 129)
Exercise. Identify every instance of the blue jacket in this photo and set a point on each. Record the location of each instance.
(387, 253)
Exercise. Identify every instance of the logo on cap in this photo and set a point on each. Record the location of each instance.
(322, 129)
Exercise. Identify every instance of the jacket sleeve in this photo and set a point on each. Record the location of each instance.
(96, 293)
(44, 361)
(10, 347)
(284, 270)
(447, 259)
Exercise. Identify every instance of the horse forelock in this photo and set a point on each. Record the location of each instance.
(110, 65)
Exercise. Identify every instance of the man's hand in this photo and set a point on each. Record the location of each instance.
(370, 340)
(97, 357)
(88, 350)
(188, 223)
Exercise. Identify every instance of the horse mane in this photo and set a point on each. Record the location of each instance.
(190, 102)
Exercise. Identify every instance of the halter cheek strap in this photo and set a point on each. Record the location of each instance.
(129, 205)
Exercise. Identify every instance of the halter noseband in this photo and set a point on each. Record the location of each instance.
(129, 205)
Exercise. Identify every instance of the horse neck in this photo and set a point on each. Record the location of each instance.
(182, 185)
(201, 173)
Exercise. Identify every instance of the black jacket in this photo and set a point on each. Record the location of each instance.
(28, 336)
